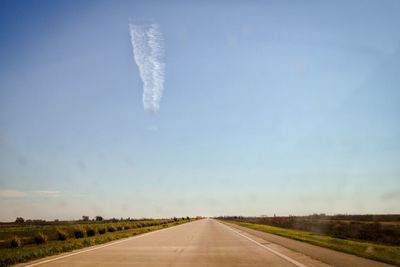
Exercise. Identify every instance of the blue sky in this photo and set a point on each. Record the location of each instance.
(275, 107)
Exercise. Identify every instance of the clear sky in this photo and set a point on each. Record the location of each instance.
(269, 107)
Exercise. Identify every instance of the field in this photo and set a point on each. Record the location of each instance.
(21, 242)
(374, 237)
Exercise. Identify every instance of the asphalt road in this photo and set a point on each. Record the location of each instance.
(201, 243)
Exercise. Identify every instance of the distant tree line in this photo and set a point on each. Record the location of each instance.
(85, 219)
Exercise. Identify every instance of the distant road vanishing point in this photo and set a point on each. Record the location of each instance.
(206, 242)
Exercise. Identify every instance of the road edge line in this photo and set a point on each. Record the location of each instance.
(298, 264)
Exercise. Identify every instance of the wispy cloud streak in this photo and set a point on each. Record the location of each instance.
(47, 193)
(148, 52)
(11, 193)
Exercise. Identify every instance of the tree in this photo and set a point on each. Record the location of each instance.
(99, 218)
(19, 220)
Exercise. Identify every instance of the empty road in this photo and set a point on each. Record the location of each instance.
(201, 243)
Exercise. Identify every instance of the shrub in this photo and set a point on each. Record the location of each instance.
(127, 227)
(15, 242)
(102, 230)
(119, 228)
(40, 238)
(19, 220)
(61, 235)
(111, 228)
(79, 232)
(90, 231)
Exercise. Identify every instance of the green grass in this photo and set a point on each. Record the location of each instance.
(384, 253)
(9, 256)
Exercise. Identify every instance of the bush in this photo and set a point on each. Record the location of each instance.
(111, 228)
(119, 228)
(15, 242)
(79, 232)
(19, 220)
(102, 230)
(90, 231)
(61, 235)
(127, 227)
(40, 238)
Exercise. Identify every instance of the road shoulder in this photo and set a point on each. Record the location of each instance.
(305, 252)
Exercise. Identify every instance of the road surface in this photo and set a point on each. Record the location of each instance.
(201, 243)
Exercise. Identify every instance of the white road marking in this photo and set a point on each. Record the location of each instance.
(100, 246)
(298, 264)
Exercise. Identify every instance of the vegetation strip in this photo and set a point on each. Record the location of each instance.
(384, 253)
(19, 254)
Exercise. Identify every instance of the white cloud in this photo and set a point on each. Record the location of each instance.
(152, 128)
(148, 52)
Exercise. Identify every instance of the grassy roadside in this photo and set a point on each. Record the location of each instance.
(384, 253)
(10, 256)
